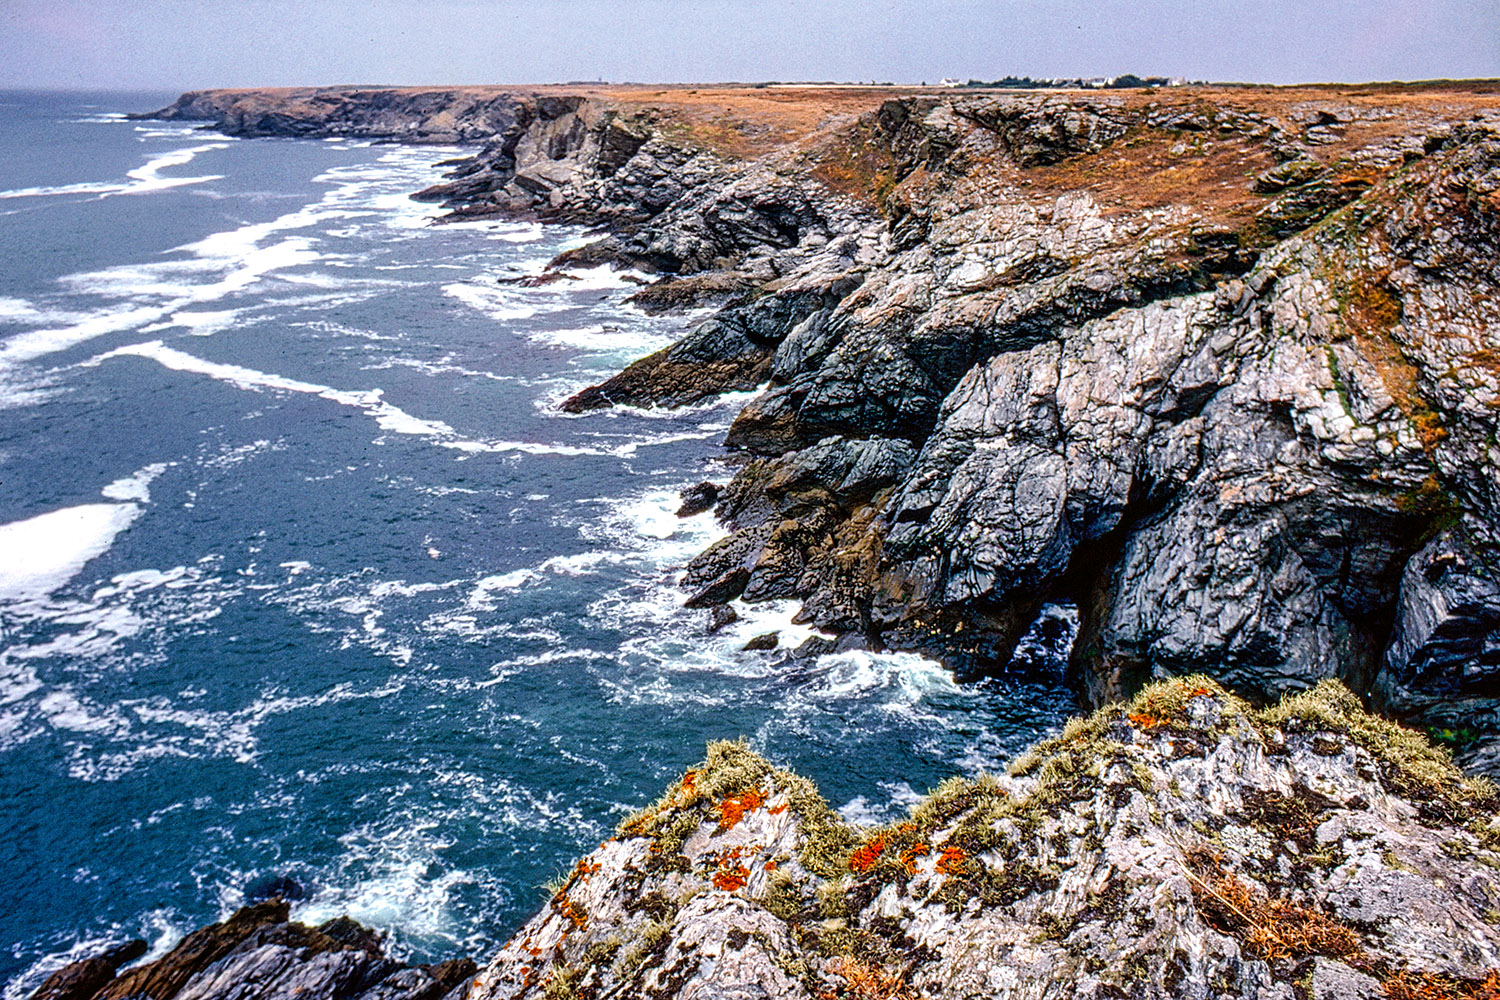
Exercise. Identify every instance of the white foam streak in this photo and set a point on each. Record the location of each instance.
(249, 269)
(40, 554)
(135, 486)
(145, 179)
(387, 417)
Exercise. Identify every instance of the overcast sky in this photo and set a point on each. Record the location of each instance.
(180, 44)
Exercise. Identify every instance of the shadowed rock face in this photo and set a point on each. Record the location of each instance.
(1220, 367)
(257, 954)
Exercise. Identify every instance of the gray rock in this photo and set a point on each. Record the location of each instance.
(1333, 980)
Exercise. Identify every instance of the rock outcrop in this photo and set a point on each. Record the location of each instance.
(258, 954)
(1184, 845)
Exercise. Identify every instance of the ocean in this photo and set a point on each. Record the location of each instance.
(304, 575)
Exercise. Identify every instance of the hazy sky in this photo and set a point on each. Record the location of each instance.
(178, 44)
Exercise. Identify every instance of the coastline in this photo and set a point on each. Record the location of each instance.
(935, 296)
(800, 265)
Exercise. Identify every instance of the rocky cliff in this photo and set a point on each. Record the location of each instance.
(1216, 366)
(1184, 845)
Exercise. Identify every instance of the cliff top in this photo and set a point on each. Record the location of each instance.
(752, 120)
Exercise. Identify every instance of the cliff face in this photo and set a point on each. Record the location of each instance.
(1217, 366)
(400, 114)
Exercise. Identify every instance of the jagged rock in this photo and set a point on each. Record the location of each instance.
(765, 641)
(721, 616)
(697, 499)
(165, 977)
(1183, 845)
(81, 980)
(257, 954)
(1220, 419)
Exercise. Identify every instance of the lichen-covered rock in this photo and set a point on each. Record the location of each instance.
(1184, 845)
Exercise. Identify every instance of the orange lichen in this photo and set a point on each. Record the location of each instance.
(911, 854)
(730, 871)
(734, 808)
(865, 856)
(572, 913)
(770, 866)
(777, 810)
(731, 878)
(1145, 720)
(953, 861)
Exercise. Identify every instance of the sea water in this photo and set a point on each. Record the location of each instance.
(303, 573)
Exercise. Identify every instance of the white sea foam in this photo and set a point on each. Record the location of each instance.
(14, 310)
(155, 282)
(40, 554)
(900, 798)
(602, 339)
(219, 266)
(145, 179)
(387, 417)
(136, 486)
(502, 304)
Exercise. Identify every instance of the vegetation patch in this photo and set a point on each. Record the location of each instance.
(1409, 765)
(1271, 929)
(732, 781)
(857, 163)
(864, 980)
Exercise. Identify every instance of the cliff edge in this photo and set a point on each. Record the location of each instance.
(1184, 845)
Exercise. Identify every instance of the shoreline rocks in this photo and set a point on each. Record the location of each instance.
(1213, 366)
(259, 954)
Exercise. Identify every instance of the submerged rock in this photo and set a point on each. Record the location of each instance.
(763, 642)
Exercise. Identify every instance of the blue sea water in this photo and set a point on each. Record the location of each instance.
(303, 574)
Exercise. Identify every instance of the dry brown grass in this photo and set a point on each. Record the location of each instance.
(1426, 986)
(867, 981)
(1153, 168)
(1270, 928)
